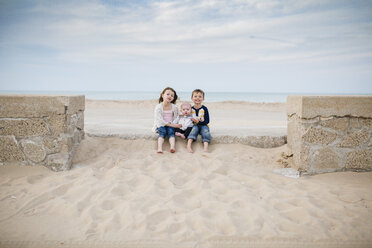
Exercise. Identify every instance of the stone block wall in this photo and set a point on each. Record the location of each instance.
(40, 129)
(330, 133)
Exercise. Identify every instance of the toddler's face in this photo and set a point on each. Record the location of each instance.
(186, 110)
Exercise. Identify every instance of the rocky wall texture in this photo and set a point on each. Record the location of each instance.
(330, 133)
(40, 130)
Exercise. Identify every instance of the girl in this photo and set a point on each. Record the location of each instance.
(165, 112)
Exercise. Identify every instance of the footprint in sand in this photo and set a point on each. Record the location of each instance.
(71, 177)
(297, 215)
(29, 212)
(91, 232)
(35, 205)
(242, 222)
(113, 225)
(155, 219)
(107, 205)
(119, 191)
(187, 199)
(222, 170)
(34, 179)
(61, 190)
(180, 179)
(174, 228)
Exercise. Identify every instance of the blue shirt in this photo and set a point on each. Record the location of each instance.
(201, 113)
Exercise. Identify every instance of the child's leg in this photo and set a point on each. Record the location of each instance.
(206, 136)
(189, 142)
(172, 142)
(192, 136)
(187, 132)
(179, 132)
(172, 139)
(180, 135)
(160, 144)
(206, 146)
(162, 132)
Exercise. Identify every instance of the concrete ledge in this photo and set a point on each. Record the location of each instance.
(40, 129)
(255, 141)
(330, 133)
(27, 106)
(327, 106)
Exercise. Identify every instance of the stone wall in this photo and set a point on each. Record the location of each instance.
(40, 129)
(330, 133)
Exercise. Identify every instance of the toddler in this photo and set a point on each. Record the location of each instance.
(185, 118)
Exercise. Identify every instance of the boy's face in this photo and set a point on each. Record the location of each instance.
(186, 110)
(197, 98)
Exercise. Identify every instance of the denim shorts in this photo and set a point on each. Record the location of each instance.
(203, 130)
(164, 131)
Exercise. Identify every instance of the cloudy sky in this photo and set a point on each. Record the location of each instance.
(314, 46)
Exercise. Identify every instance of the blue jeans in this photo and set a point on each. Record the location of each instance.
(202, 130)
(164, 131)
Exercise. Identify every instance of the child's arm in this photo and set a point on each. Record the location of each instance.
(195, 119)
(159, 117)
(176, 121)
(176, 118)
(174, 125)
(206, 117)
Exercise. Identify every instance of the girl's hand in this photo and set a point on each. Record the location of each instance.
(178, 125)
(195, 120)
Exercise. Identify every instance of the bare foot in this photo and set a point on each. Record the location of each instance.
(190, 150)
(160, 151)
(180, 135)
(172, 150)
(206, 146)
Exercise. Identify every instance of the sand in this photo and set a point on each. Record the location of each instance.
(121, 193)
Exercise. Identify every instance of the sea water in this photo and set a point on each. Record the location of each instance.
(152, 95)
(186, 96)
(183, 96)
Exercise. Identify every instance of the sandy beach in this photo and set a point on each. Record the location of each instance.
(121, 193)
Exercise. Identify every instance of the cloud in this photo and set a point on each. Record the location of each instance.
(190, 31)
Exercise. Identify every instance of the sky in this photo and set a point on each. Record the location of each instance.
(309, 46)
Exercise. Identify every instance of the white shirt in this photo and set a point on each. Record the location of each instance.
(159, 120)
(185, 121)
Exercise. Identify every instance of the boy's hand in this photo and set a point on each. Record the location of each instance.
(201, 119)
(195, 120)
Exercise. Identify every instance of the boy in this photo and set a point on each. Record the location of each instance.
(200, 120)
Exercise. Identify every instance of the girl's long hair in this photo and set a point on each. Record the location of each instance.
(175, 95)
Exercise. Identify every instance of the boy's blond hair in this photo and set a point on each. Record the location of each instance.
(198, 91)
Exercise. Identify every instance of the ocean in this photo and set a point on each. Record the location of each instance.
(183, 96)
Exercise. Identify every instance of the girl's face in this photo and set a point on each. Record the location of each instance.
(168, 96)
